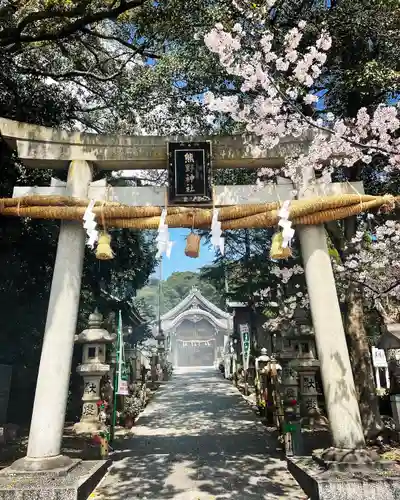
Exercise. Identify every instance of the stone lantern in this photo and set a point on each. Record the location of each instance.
(262, 361)
(307, 366)
(390, 342)
(161, 342)
(94, 341)
(160, 355)
(290, 386)
(262, 364)
(131, 358)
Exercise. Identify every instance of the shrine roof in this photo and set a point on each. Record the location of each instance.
(195, 300)
(130, 313)
(389, 340)
(194, 315)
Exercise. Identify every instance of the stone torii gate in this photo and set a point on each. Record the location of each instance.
(41, 147)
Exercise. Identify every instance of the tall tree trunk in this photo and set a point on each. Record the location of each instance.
(362, 364)
(357, 340)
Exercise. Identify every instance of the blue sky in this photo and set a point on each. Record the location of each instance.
(179, 261)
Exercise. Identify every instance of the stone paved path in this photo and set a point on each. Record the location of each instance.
(198, 440)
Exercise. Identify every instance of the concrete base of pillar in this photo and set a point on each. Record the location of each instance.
(88, 427)
(374, 481)
(314, 420)
(345, 459)
(75, 485)
(56, 466)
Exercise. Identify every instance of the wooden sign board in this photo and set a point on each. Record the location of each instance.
(189, 173)
(245, 341)
(244, 328)
(379, 358)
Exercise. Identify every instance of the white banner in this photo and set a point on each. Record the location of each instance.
(379, 358)
(123, 389)
(122, 385)
(245, 341)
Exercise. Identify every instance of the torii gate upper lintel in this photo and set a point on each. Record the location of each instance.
(44, 147)
(41, 147)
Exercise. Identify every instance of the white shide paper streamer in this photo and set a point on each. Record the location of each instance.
(90, 225)
(164, 245)
(216, 239)
(285, 224)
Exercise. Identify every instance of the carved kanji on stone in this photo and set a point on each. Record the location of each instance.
(90, 388)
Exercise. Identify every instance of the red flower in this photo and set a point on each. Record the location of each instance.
(293, 402)
(96, 439)
(102, 404)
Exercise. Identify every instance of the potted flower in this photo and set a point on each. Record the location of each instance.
(132, 407)
(102, 405)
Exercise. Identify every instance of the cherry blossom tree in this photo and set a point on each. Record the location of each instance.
(279, 97)
(374, 264)
(277, 85)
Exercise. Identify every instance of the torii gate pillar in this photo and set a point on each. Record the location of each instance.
(47, 424)
(336, 373)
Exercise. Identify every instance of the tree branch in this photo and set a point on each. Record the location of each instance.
(11, 38)
(138, 50)
(51, 13)
(73, 73)
(391, 288)
(326, 129)
(94, 92)
(100, 107)
(378, 293)
(87, 124)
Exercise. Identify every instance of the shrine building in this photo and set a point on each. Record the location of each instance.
(195, 330)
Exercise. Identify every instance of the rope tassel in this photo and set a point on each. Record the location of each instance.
(193, 245)
(104, 250)
(278, 251)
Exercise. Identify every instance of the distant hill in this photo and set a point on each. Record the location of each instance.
(173, 290)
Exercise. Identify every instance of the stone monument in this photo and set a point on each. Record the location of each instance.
(307, 366)
(94, 340)
(390, 343)
(290, 388)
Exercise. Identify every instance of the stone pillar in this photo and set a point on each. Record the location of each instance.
(308, 390)
(336, 374)
(290, 387)
(94, 340)
(153, 364)
(175, 348)
(48, 416)
(393, 358)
